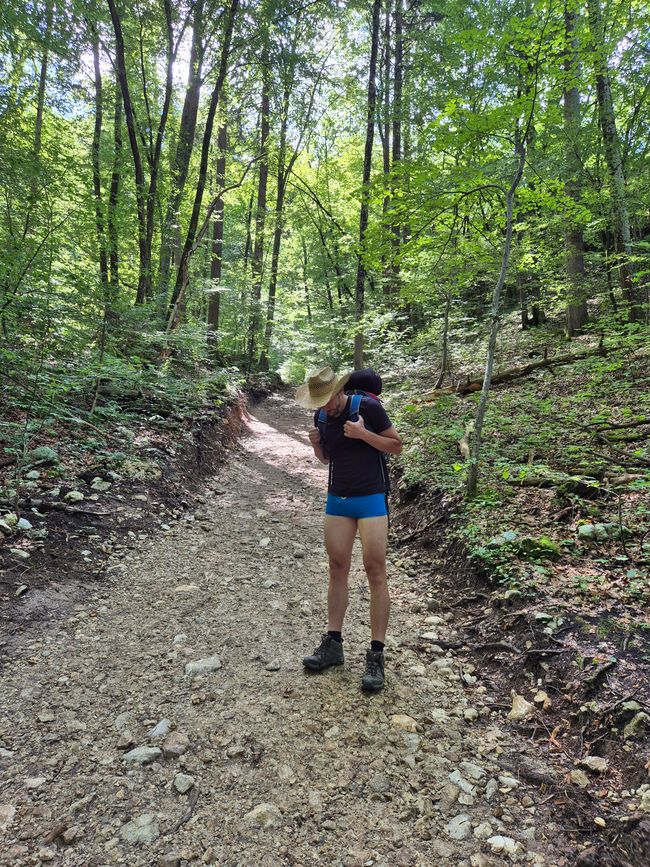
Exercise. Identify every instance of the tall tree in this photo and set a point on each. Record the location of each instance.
(577, 314)
(367, 165)
(613, 158)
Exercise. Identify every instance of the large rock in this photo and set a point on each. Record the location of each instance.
(520, 707)
(161, 730)
(460, 827)
(42, 454)
(203, 666)
(177, 744)
(7, 813)
(639, 723)
(264, 815)
(142, 755)
(142, 829)
(404, 722)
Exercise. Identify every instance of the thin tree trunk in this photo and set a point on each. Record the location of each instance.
(140, 191)
(113, 250)
(182, 274)
(577, 315)
(397, 138)
(249, 223)
(614, 161)
(277, 232)
(444, 364)
(216, 261)
(305, 280)
(472, 476)
(154, 159)
(184, 148)
(367, 164)
(385, 143)
(95, 160)
(260, 216)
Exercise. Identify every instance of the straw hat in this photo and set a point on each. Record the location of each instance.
(320, 388)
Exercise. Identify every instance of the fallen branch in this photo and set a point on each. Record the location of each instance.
(418, 532)
(499, 645)
(515, 373)
(55, 506)
(187, 815)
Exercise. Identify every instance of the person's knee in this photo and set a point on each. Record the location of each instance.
(375, 570)
(339, 567)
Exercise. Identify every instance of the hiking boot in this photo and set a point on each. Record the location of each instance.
(373, 679)
(329, 652)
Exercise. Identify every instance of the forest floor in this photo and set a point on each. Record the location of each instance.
(255, 761)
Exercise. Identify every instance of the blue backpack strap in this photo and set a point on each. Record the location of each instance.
(321, 422)
(355, 403)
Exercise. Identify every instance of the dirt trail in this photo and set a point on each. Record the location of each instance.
(274, 766)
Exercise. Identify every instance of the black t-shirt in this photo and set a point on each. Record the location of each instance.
(356, 468)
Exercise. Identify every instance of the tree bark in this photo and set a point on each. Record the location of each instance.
(182, 275)
(385, 144)
(140, 191)
(614, 161)
(577, 315)
(113, 250)
(260, 216)
(96, 168)
(472, 476)
(397, 138)
(277, 232)
(216, 261)
(367, 164)
(184, 148)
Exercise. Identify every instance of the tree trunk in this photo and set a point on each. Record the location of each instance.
(577, 315)
(472, 476)
(249, 223)
(367, 164)
(140, 192)
(96, 168)
(305, 280)
(184, 148)
(260, 216)
(216, 261)
(612, 149)
(42, 82)
(397, 138)
(182, 274)
(385, 143)
(113, 250)
(277, 232)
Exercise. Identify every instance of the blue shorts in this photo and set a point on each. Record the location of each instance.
(370, 506)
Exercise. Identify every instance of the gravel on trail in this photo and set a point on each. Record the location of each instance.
(169, 721)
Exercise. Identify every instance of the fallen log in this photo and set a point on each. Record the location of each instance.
(514, 373)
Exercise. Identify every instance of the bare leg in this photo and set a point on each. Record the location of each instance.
(374, 538)
(339, 538)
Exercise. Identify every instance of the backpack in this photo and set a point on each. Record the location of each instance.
(362, 383)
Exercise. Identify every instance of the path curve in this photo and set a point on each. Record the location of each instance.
(278, 767)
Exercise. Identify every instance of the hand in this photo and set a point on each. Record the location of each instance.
(356, 430)
(314, 436)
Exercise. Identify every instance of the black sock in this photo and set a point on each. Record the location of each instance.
(376, 646)
(335, 635)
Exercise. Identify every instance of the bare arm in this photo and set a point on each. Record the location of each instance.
(319, 451)
(388, 441)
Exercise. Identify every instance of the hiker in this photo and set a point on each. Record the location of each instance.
(352, 433)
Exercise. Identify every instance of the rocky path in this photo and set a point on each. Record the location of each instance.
(168, 721)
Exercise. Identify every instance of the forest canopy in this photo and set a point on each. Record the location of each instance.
(190, 188)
